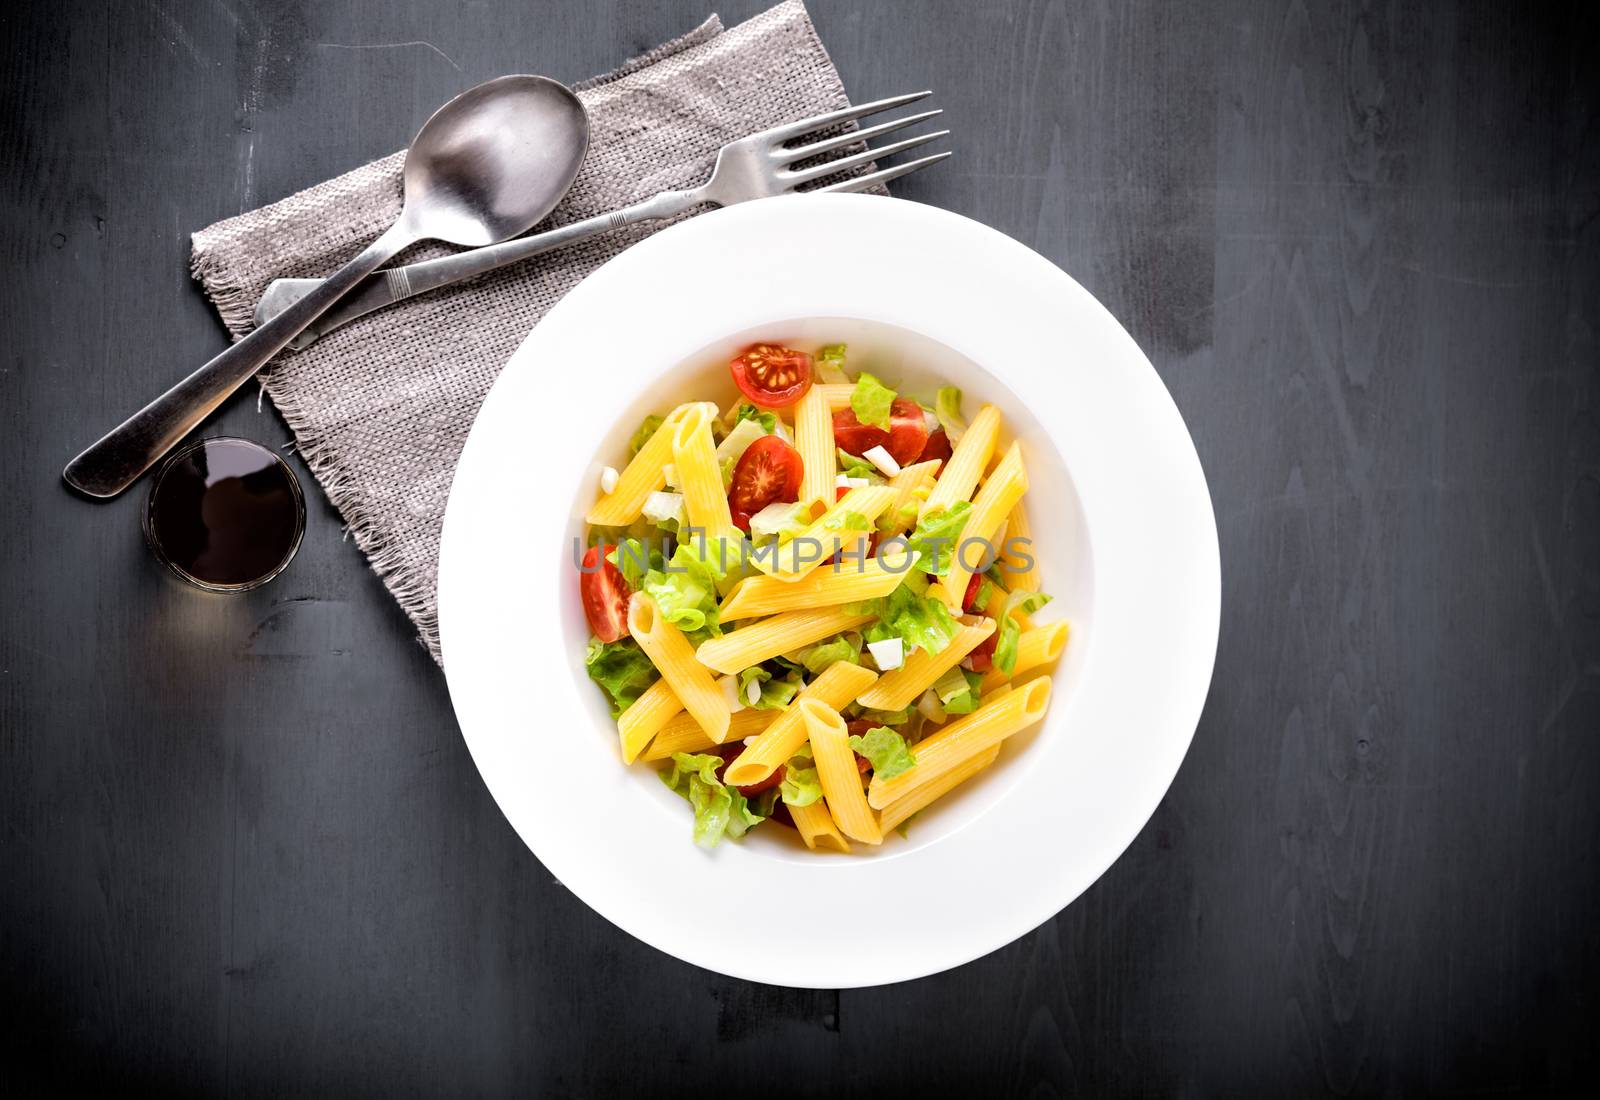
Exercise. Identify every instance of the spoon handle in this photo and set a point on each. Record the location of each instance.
(399, 283)
(118, 458)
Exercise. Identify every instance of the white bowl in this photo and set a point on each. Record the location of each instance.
(1122, 529)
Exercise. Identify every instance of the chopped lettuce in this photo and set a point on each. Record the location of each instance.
(855, 466)
(747, 411)
(633, 560)
(887, 717)
(847, 520)
(871, 401)
(922, 622)
(957, 690)
(839, 648)
(621, 668)
(1005, 649)
(935, 536)
(685, 589)
(719, 810)
(744, 433)
(947, 407)
(775, 693)
(642, 436)
(830, 364)
(783, 520)
(886, 750)
(800, 786)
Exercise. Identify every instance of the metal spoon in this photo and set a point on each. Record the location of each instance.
(485, 167)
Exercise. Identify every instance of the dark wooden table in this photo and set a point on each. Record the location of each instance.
(244, 849)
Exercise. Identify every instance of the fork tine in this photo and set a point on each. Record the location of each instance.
(828, 168)
(883, 175)
(828, 145)
(791, 130)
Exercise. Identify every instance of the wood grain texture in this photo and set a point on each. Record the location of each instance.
(243, 848)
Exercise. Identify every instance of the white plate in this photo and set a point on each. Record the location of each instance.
(1123, 530)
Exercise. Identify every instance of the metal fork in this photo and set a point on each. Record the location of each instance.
(754, 167)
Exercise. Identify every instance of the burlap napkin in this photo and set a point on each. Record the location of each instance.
(381, 408)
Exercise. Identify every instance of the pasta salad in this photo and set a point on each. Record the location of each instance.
(813, 605)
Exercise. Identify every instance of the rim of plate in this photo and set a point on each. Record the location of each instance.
(1107, 752)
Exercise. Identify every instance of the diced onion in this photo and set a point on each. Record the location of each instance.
(889, 653)
(882, 459)
(730, 691)
(930, 707)
(608, 478)
(852, 482)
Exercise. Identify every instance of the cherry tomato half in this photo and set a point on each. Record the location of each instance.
(605, 595)
(769, 471)
(907, 434)
(937, 447)
(766, 784)
(771, 376)
(982, 658)
(968, 602)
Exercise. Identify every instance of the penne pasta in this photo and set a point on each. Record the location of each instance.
(898, 689)
(943, 751)
(643, 475)
(648, 714)
(1017, 563)
(816, 827)
(990, 507)
(770, 637)
(853, 516)
(897, 811)
(1035, 648)
(837, 686)
(694, 454)
(813, 438)
(836, 769)
(836, 394)
(683, 734)
(674, 658)
(848, 582)
(966, 463)
(911, 487)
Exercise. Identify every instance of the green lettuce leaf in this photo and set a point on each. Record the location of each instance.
(830, 364)
(839, 648)
(776, 692)
(855, 466)
(1005, 648)
(935, 536)
(947, 407)
(844, 521)
(871, 401)
(686, 594)
(719, 810)
(957, 690)
(887, 717)
(921, 622)
(785, 521)
(747, 411)
(800, 786)
(642, 436)
(633, 560)
(621, 668)
(886, 750)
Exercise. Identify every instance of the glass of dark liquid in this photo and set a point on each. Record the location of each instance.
(225, 514)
